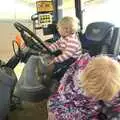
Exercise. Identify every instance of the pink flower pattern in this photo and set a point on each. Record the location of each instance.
(70, 101)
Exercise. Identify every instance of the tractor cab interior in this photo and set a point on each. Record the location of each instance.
(34, 83)
(98, 38)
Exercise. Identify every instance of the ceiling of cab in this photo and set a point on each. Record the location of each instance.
(84, 1)
(66, 3)
(27, 2)
(93, 1)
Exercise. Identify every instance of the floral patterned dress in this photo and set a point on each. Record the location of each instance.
(70, 101)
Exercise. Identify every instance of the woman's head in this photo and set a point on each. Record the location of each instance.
(68, 25)
(101, 78)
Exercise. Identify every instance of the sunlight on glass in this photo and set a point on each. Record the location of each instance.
(103, 12)
(14, 9)
(7, 9)
(25, 12)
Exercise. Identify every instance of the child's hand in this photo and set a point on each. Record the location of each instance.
(44, 50)
(51, 62)
(61, 88)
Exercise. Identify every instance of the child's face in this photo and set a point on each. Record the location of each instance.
(64, 31)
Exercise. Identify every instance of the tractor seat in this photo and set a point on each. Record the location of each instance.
(101, 38)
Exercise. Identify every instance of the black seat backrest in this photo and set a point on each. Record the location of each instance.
(101, 37)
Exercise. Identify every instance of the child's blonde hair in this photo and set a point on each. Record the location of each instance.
(72, 23)
(101, 78)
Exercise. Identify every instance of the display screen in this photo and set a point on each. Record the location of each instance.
(44, 6)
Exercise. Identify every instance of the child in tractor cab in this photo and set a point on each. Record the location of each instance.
(68, 44)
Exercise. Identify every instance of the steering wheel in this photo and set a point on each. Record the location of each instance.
(31, 40)
(17, 51)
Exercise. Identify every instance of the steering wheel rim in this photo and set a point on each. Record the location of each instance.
(21, 28)
(18, 53)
